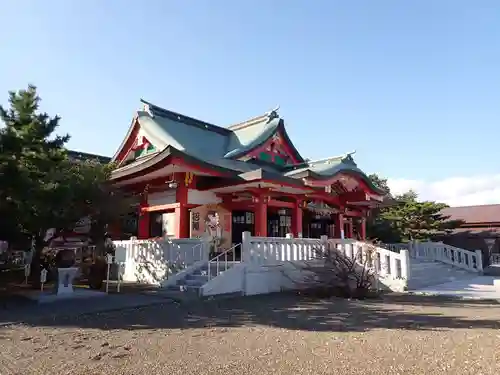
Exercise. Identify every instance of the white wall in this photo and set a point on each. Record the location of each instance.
(169, 219)
(202, 197)
(269, 279)
(153, 261)
(164, 197)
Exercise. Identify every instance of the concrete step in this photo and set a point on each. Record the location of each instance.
(213, 268)
(200, 278)
(492, 270)
(438, 271)
(194, 289)
(426, 274)
(191, 282)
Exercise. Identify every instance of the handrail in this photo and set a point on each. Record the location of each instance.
(217, 260)
(193, 251)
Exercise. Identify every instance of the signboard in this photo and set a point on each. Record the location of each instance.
(212, 221)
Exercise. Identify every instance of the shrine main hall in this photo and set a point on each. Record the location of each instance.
(195, 178)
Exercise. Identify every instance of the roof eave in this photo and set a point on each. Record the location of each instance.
(171, 151)
(316, 176)
(127, 136)
(261, 174)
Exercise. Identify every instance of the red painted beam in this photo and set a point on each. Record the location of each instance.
(160, 207)
(322, 183)
(277, 203)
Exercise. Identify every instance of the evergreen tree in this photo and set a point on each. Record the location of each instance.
(405, 218)
(40, 187)
(29, 156)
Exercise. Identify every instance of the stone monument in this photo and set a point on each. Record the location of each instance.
(65, 277)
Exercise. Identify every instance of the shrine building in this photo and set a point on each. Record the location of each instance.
(195, 177)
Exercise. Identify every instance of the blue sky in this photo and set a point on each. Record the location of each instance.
(413, 86)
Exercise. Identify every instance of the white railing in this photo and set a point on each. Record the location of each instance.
(396, 247)
(384, 262)
(222, 261)
(495, 258)
(265, 260)
(276, 250)
(440, 252)
(154, 260)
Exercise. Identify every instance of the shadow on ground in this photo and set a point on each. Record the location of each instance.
(290, 311)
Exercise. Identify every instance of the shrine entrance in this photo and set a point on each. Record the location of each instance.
(279, 223)
(243, 221)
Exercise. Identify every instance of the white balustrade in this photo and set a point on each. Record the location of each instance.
(440, 252)
(275, 250)
(385, 262)
(152, 261)
(396, 247)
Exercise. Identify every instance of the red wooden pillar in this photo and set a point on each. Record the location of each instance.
(362, 229)
(260, 216)
(339, 225)
(181, 212)
(297, 219)
(351, 228)
(143, 221)
(346, 228)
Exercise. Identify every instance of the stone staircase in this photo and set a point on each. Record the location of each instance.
(426, 273)
(192, 283)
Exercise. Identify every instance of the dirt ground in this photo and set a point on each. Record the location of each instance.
(274, 334)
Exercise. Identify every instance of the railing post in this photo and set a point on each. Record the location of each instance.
(405, 265)
(324, 240)
(292, 248)
(324, 244)
(416, 245)
(246, 246)
(205, 248)
(479, 260)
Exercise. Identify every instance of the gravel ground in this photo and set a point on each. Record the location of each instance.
(274, 334)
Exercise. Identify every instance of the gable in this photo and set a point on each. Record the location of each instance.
(141, 146)
(275, 150)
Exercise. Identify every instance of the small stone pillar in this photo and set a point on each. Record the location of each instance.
(65, 277)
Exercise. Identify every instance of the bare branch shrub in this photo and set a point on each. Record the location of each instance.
(337, 272)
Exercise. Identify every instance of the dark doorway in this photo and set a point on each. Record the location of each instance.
(129, 225)
(243, 221)
(279, 225)
(317, 226)
(156, 224)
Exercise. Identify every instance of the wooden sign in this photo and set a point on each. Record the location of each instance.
(212, 221)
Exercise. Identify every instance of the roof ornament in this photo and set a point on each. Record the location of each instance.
(348, 157)
(146, 108)
(272, 114)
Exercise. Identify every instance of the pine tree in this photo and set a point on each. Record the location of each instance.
(406, 218)
(40, 187)
(29, 153)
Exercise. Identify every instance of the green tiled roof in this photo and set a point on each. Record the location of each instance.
(199, 138)
(221, 146)
(246, 138)
(327, 168)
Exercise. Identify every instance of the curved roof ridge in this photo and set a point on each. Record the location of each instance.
(249, 122)
(347, 157)
(270, 115)
(153, 110)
